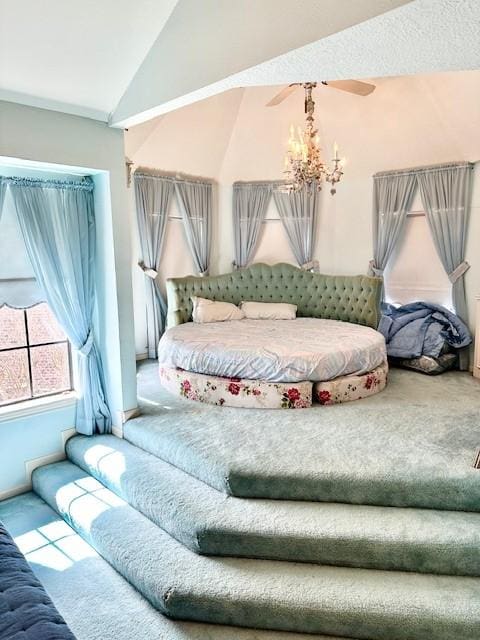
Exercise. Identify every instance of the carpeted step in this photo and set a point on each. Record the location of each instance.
(259, 593)
(109, 607)
(207, 522)
(412, 445)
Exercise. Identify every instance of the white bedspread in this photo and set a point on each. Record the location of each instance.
(273, 350)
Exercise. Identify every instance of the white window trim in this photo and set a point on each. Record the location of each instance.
(36, 406)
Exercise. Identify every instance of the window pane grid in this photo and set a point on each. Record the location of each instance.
(35, 356)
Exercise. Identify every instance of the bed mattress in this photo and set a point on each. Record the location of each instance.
(273, 350)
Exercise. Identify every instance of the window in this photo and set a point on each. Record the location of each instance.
(273, 245)
(35, 355)
(414, 272)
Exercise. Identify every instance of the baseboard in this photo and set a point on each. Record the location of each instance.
(34, 463)
(66, 435)
(142, 356)
(15, 491)
(31, 465)
(129, 414)
(122, 417)
(117, 431)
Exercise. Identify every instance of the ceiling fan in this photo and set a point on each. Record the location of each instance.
(351, 86)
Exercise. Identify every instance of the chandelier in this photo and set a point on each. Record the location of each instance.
(304, 166)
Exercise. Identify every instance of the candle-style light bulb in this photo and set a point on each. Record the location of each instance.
(335, 151)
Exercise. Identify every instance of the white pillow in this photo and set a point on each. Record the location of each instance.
(269, 310)
(205, 310)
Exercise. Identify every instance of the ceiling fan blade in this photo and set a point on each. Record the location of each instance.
(282, 95)
(352, 86)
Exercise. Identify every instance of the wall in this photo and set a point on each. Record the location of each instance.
(407, 121)
(35, 135)
(192, 141)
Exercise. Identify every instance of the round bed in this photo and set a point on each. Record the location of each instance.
(275, 363)
(273, 350)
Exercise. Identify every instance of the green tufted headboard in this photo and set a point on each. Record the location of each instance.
(349, 298)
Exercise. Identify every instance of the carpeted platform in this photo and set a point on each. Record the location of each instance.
(208, 522)
(359, 603)
(96, 601)
(348, 483)
(412, 445)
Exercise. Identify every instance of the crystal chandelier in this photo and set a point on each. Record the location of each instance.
(304, 166)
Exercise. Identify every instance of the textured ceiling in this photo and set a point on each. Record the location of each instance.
(77, 57)
(204, 43)
(422, 36)
(128, 62)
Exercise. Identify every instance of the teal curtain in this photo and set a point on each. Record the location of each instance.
(195, 204)
(58, 226)
(392, 199)
(446, 195)
(298, 213)
(250, 203)
(153, 195)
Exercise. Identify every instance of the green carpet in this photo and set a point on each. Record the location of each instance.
(208, 522)
(410, 446)
(378, 605)
(96, 601)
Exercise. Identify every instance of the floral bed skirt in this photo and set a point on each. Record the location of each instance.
(348, 388)
(235, 392)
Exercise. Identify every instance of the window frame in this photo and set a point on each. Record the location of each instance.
(28, 347)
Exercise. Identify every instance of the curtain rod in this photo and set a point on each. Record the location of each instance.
(259, 183)
(85, 185)
(145, 172)
(426, 169)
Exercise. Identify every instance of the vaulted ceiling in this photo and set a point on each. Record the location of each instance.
(127, 62)
(77, 57)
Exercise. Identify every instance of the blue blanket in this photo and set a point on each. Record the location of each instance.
(26, 611)
(421, 328)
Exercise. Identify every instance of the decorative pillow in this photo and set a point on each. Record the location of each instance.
(205, 310)
(269, 310)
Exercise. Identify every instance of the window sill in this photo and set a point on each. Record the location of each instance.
(37, 406)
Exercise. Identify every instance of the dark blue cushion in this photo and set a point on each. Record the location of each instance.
(26, 611)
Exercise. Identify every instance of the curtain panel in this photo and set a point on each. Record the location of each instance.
(153, 195)
(298, 213)
(250, 202)
(446, 198)
(195, 204)
(58, 226)
(392, 199)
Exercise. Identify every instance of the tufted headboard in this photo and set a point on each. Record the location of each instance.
(349, 298)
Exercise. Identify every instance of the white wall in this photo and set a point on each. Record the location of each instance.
(51, 138)
(407, 121)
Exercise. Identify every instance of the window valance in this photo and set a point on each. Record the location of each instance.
(86, 184)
